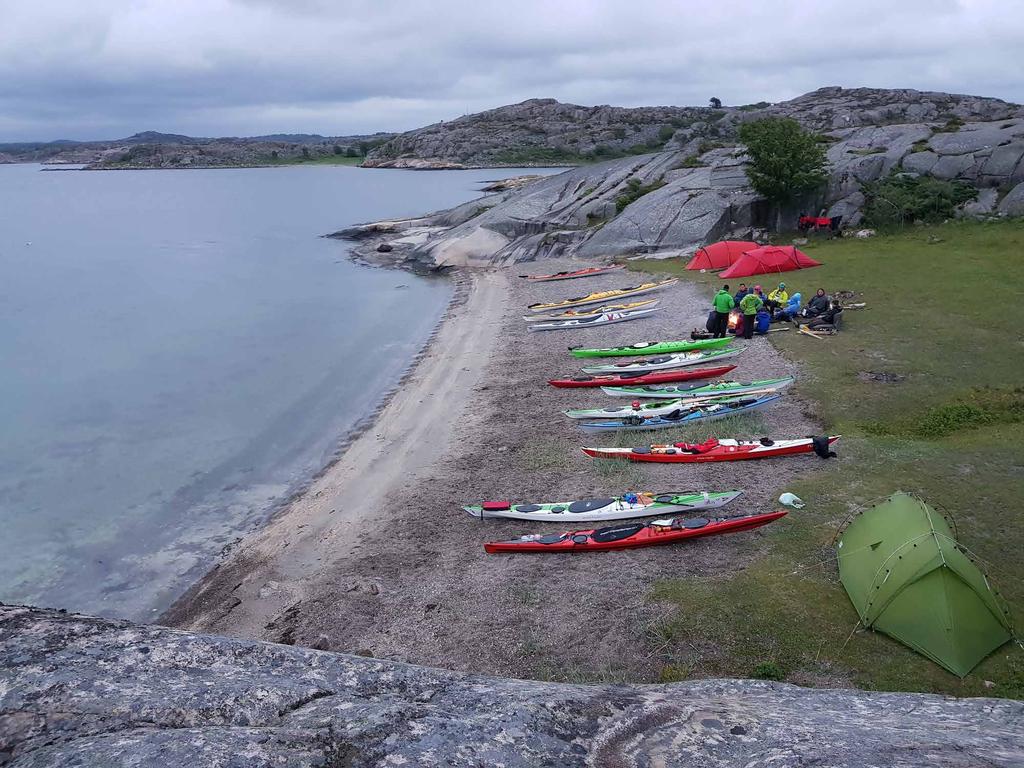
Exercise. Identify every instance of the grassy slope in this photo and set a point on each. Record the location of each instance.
(947, 316)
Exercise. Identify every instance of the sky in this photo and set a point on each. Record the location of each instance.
(103, 69)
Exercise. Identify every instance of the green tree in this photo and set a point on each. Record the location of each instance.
(305, 153)
(715, 102)
(785, 160)
(351, 152)
(337, 149)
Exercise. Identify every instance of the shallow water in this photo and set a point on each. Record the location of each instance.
(180, 352)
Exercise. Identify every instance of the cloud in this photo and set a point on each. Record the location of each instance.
(104, 69)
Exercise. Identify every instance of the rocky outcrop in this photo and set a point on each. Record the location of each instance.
(84, 691)
(548, 132)
(415, 164)
(699, 190)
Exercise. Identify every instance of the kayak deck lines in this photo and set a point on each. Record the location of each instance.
(715, 449)
(633, 535)
(631, 505)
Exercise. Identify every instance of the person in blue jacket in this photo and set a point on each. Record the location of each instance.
(791, 310)
(738, 297)
(762, 320)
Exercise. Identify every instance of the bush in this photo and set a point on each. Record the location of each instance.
(768, 670)
(690, 161)
(785, 160)
(901, 198)
(666, 132)
(952, 125)
(635, 189)
(337, 150)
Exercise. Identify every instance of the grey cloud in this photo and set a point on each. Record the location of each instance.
(221, 67)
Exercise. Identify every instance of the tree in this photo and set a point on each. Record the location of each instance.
(305, 153)
(337, 149)
(785, 160)
(715, 102)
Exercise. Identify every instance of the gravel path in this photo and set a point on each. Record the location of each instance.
(422, 590)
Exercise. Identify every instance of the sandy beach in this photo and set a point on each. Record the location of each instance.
(378, 559)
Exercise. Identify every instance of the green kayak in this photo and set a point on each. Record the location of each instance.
(701, 392)
(652, 348)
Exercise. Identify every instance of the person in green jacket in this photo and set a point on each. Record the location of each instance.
(723, 303)
(749, 305)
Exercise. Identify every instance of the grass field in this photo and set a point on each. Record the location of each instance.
(943, 313)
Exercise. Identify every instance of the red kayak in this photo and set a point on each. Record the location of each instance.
(639, 377)
(578, 273)
(631, 535)
(718, 450)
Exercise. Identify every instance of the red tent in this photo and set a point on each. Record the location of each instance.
(769, 259)
(719, 255)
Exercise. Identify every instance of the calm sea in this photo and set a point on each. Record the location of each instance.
(179, 352)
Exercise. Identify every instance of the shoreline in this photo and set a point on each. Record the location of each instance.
(406, 578)
(259, 571)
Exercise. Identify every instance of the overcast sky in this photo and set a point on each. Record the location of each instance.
(90, 69)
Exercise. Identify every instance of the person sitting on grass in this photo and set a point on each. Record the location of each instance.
(818, 304)
(723, 303)
(749, 306)
(777, 298)
(762, 320)
(791, 310)
(826, 318)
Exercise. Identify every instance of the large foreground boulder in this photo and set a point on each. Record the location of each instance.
(92, 692)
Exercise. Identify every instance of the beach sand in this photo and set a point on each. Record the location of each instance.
(377, 558)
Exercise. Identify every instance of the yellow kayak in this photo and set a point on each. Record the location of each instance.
(595, 298)
(572, 314)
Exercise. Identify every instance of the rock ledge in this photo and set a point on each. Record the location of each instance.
(83, 691)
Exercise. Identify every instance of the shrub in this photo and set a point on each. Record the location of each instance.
(952, 125)
(768, 670)
(690, 161)
(921, 145)
(337, 149)
(901, 197)
(351, 152)
(666, 132)
(785, 160)
(635, 189)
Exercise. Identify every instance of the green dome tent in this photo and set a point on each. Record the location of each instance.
(907, 577)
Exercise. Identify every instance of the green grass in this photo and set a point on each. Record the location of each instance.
(943, 315)
(319, 160)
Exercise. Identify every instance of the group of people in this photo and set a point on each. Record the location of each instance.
(756, 311)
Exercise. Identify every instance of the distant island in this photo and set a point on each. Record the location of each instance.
(151, 149)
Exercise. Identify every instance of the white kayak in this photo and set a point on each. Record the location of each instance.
(607, 318)
(596, 510)
(588, 312)
(666, 362)
(649, 409)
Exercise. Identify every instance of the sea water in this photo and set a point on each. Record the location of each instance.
(179, 353)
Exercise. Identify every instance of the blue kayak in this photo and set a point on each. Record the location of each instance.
(707, 412)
